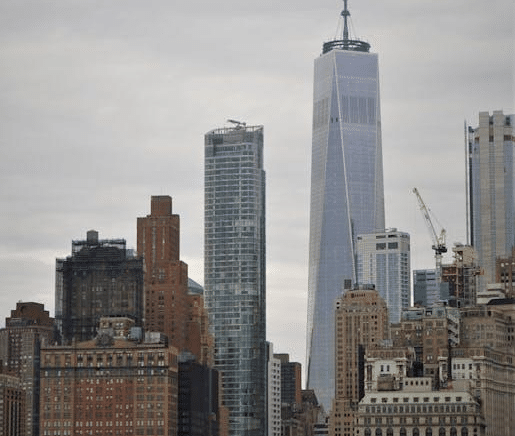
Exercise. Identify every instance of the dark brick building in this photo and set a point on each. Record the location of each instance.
(101, 278)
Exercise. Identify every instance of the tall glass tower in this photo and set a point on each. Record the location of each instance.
(234, 270)
(347, 194)
(491, 189)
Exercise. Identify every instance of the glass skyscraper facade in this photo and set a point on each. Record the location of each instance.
(234, 271)
(347, 194)
(384, 261)
(491, 189)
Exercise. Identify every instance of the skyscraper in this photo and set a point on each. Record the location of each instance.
(491, 189)
(234, 270)
(100, 278)
(384, 261)
(166, 277)
(361, 325)
(347, 195)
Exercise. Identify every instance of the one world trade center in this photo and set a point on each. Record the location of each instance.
(347, 194)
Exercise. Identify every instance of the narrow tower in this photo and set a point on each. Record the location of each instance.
(347, 195)
(234, 270)
(491, 189)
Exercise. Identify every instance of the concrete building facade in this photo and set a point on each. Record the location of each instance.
(274, 394)
(174, 304)
(418, 410)
(361, 324)
(28, 327)
(291, 380)
(384, 261)
(430, 332)
(491, 188)
(100, 278)
(109, 386)
(199, 400)
(12, 407)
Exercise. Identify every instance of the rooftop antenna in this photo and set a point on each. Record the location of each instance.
(346, 43)
(345, 13)
(237, 124)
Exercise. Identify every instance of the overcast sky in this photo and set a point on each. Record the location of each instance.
(105, 103)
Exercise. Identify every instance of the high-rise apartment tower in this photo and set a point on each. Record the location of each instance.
(234, 270)
(491, 189)
(347, 195)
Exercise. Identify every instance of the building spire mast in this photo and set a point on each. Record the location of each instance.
(346, 43)
(345, 13)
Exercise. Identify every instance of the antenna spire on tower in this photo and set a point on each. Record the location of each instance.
(345, 13)
(346, 43)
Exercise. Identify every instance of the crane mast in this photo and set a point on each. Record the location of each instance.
(439, 245)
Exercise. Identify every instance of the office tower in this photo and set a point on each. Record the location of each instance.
(486, 357)
(505, 273)
(361, 325)
(12, 406)
(110, 385)
(100, 278)
(384, 261)
(347, 194)
(491, 189)
(198, 399)
(168, 305)
(428, 331)
(25, 330)
(200, 341)
(291, 374)
(426, 289)
(234, 270)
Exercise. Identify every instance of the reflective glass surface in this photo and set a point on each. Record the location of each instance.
(347, 196)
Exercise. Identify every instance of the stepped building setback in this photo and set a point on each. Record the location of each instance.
(174, 304)
(100, 278)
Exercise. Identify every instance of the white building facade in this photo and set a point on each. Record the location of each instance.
(384, 261)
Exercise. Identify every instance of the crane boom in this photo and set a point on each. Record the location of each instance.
(439, 245)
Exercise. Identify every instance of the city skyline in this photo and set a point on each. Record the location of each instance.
(124, 96)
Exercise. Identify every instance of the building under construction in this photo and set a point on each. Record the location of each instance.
(462, 276)
(101, 278)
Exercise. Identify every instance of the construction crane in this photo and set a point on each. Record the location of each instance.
(438, 239)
